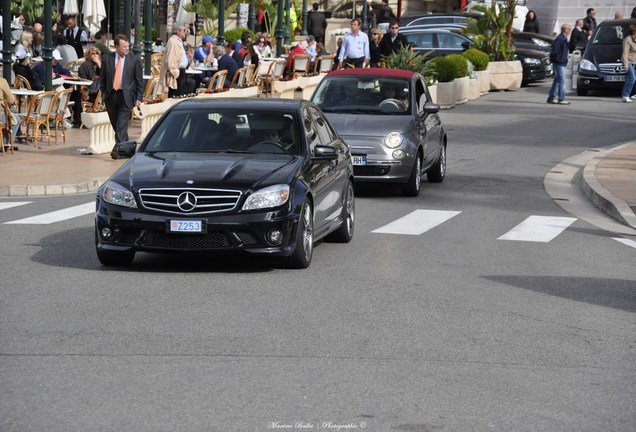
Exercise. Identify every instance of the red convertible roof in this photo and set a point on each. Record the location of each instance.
(382, 72)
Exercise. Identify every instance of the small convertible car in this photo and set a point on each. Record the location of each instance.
(390, 122)
(229, 175)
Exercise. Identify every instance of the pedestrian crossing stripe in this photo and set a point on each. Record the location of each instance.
(627, 242)
(8, 205)
(417, 222)
(540, 229)
(57, 216)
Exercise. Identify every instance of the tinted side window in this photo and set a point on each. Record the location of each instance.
(311, 133)
(322, 127)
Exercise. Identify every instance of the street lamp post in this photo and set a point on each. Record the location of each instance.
(287, 21)
(148, 36)
(304, 29)
(280, 35)
(127, 19)
(137, 44)
(365, 17)
(47, 50)
(6, 40)
(221, 36)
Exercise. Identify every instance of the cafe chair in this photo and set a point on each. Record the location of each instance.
(323, 64)
(150, 92)
(73, 66)
(217, 82)
(21, 82)
(60, 103)
(250, 79)
(238, 80)
(5, 125)
(38, 115)
(275, 72)
(301, 65)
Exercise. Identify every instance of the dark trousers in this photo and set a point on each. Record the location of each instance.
(353, 62)
(181, 85)
(119, 115)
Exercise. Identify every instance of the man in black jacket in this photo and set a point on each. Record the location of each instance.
(316, 24)
(578, 40)
(392, 41)
(559, 58)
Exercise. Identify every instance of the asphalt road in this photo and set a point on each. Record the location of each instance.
(458, 327)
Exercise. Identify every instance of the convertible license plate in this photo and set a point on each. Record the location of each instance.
(185, 226)
(614, 77)
(358, 160)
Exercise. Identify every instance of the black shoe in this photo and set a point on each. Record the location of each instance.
(77, 125)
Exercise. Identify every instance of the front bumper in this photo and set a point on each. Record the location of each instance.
(134, 230)
(381, 166)
(592, 80)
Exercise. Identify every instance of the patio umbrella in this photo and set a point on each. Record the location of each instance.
(70, 7)
(183, 16)
(94, 12)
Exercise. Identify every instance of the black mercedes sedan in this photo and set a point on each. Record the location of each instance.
(229, 175)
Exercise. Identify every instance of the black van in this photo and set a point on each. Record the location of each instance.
(601, 67)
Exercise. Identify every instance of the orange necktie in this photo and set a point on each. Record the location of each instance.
(118, 69)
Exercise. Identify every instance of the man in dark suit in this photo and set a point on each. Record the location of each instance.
(316, 24)
(393, 40)
(120, 97)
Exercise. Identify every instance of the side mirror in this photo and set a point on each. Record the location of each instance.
(466, 45)
(124, 150)
(322, 152)
(431, 108)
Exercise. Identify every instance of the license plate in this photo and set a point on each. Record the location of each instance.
(186, 226)
(614, 77)
(359, 160)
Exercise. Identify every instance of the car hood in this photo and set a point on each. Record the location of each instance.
(205, 170)
(368, 125)
(599, 54)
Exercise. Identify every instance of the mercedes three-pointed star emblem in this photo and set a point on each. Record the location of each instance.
(187, 201)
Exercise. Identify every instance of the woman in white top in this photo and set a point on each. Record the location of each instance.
(261, 49)
(25, 43)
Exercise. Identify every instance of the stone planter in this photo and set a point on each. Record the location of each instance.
(505, 75)
(101, 133)
(473, 89)
(309, 84)
(150, 113)
(286, 89)
(432, 89)
(245, 92)
(446, 94)
(484, 81)
(225, 94)
(461, 90)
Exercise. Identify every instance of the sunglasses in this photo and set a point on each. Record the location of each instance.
(394, 27)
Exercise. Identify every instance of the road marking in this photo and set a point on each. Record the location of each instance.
(628, 242)
(58, 216)
(417, 222)
(8, 205)
(538, 229)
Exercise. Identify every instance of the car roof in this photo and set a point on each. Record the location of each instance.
(617, 22)
(233, 103)
(418, 29)
(380, 72)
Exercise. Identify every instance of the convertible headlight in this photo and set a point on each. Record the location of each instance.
(530, 60)
(587, 65)
(272, 196)
(393, 139)
(116, 194)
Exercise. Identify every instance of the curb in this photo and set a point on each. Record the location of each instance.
(603, 198)
(48, 190)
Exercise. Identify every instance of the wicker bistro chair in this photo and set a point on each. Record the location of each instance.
(239, 78)
(5, 124)
(151, 89)
(251, 75)
(217, 82)
(73, 66)
(21, 82)
(275, 72)
(38, 115)
(60, 102)
(301, 65)
(323, 63)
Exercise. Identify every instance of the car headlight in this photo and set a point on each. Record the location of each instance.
(272, 196)
(540, 42)
(116, 194)
(587, 65)
(393, 139)
(530, 60)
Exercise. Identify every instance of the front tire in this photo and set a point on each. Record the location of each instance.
(344, 233)
(304, 243)
(437, 172)
(412, 187)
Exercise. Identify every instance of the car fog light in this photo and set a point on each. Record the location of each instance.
(275, 237)
(107, 233)
(398, 154)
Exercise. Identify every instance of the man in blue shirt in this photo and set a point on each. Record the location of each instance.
(559, 58)
(355, 47)
(204, 53)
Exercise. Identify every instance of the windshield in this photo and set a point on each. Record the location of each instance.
(364, 95)
(226, 131)
(610, 35)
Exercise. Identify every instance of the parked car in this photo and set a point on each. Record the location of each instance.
(436, 42)
(267, 177)
(389, 120)
(533, 41)
(601, 67)
(436, 20)
(536, 65)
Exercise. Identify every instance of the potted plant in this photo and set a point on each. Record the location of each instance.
(445, 86)
(480, 61)
(459, 70)
(493, 35)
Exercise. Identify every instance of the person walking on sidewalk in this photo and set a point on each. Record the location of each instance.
(629, 60)
(174, 62)
(559, 58)
(355, 48)
(122, 84)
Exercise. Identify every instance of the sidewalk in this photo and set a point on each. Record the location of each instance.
(609, 180)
